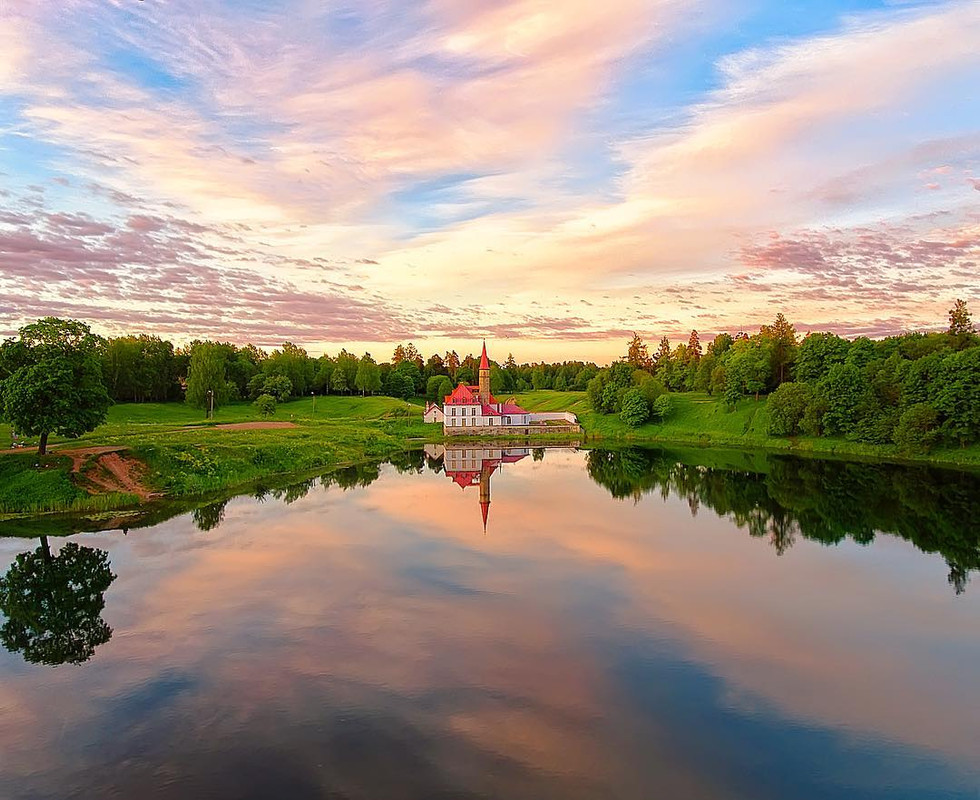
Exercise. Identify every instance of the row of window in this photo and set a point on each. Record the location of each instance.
(467, 422)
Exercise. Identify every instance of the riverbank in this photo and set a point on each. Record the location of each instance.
(180, 455)
(704, 421)
(167, 450)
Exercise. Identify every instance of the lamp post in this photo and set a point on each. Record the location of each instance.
(313, 395)
(210, 403)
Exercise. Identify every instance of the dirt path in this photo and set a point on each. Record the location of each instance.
(254, 426)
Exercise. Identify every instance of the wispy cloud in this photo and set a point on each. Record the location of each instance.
(412, 154)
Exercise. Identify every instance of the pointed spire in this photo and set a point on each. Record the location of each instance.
(485, 508)
(484, 361)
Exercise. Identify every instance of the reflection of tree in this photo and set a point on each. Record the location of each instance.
(408, 461)
(209, 517)
(354, 476)
(53, 605)
(826, 501)
(537, 454)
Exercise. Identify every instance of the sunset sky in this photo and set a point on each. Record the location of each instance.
(550, 175)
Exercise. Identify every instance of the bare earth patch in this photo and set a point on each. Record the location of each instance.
(107, 469)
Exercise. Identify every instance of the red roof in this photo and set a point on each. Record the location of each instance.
(511, 408)
(462, 395)
(484, 361)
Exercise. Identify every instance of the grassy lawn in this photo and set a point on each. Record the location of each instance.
(699, 419)
(186, 454)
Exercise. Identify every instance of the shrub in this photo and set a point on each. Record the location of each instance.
(662, 407)
(266, 404)
(916, 429)
(650, 386)
(636, 409)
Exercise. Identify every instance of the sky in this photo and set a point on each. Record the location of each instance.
(550, 176)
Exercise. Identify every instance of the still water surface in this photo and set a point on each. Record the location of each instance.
(489, 624)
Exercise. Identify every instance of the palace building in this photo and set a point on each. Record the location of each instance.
(475, 408)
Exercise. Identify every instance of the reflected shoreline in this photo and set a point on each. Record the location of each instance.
(772, 496)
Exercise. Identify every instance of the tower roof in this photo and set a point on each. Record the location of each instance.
(484, 361)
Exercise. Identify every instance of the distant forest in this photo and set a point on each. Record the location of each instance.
(915, 390)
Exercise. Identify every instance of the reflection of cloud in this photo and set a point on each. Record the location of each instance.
(338, 630)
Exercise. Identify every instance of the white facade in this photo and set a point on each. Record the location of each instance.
(479, 415)
(432, 413)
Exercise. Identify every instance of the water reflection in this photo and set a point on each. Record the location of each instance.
(356, 636)
(53, 604)
(782, 498)
(474, 466)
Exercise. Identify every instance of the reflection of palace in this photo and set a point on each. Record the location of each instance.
(473, 466)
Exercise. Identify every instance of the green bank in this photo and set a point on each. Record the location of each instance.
(699, 419)
(182, 455)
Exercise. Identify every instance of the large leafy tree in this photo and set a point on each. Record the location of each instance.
(959, 318)
(782, 353)
(206, 381)
(53, 604)
(55, 382)
(958, 396)
(368, 377)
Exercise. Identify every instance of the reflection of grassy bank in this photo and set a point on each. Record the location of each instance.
(698, 419)
(185, 457)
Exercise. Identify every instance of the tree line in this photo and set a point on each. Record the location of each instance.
(57, 377)
(914, 390)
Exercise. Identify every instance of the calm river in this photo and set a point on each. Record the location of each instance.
(510, 624)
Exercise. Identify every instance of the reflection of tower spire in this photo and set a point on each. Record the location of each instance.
(485, 493)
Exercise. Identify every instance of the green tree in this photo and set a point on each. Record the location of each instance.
(637, 354)
(844, 389)
(916, 429)
(817, 353)
(958, 398)
(321, 377)
(410, 369)
(694, 347)
(662, 407)
(53, 604)
(635, 408)
(720, 345)
(368, 378)
(540, 379)
(206, 383)
(960, 321)
(786, 406)
(782, 352)
(279, 386)
(266, 404)
(662, 359)
(57, 385)
(338, 381)
(400, 384)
